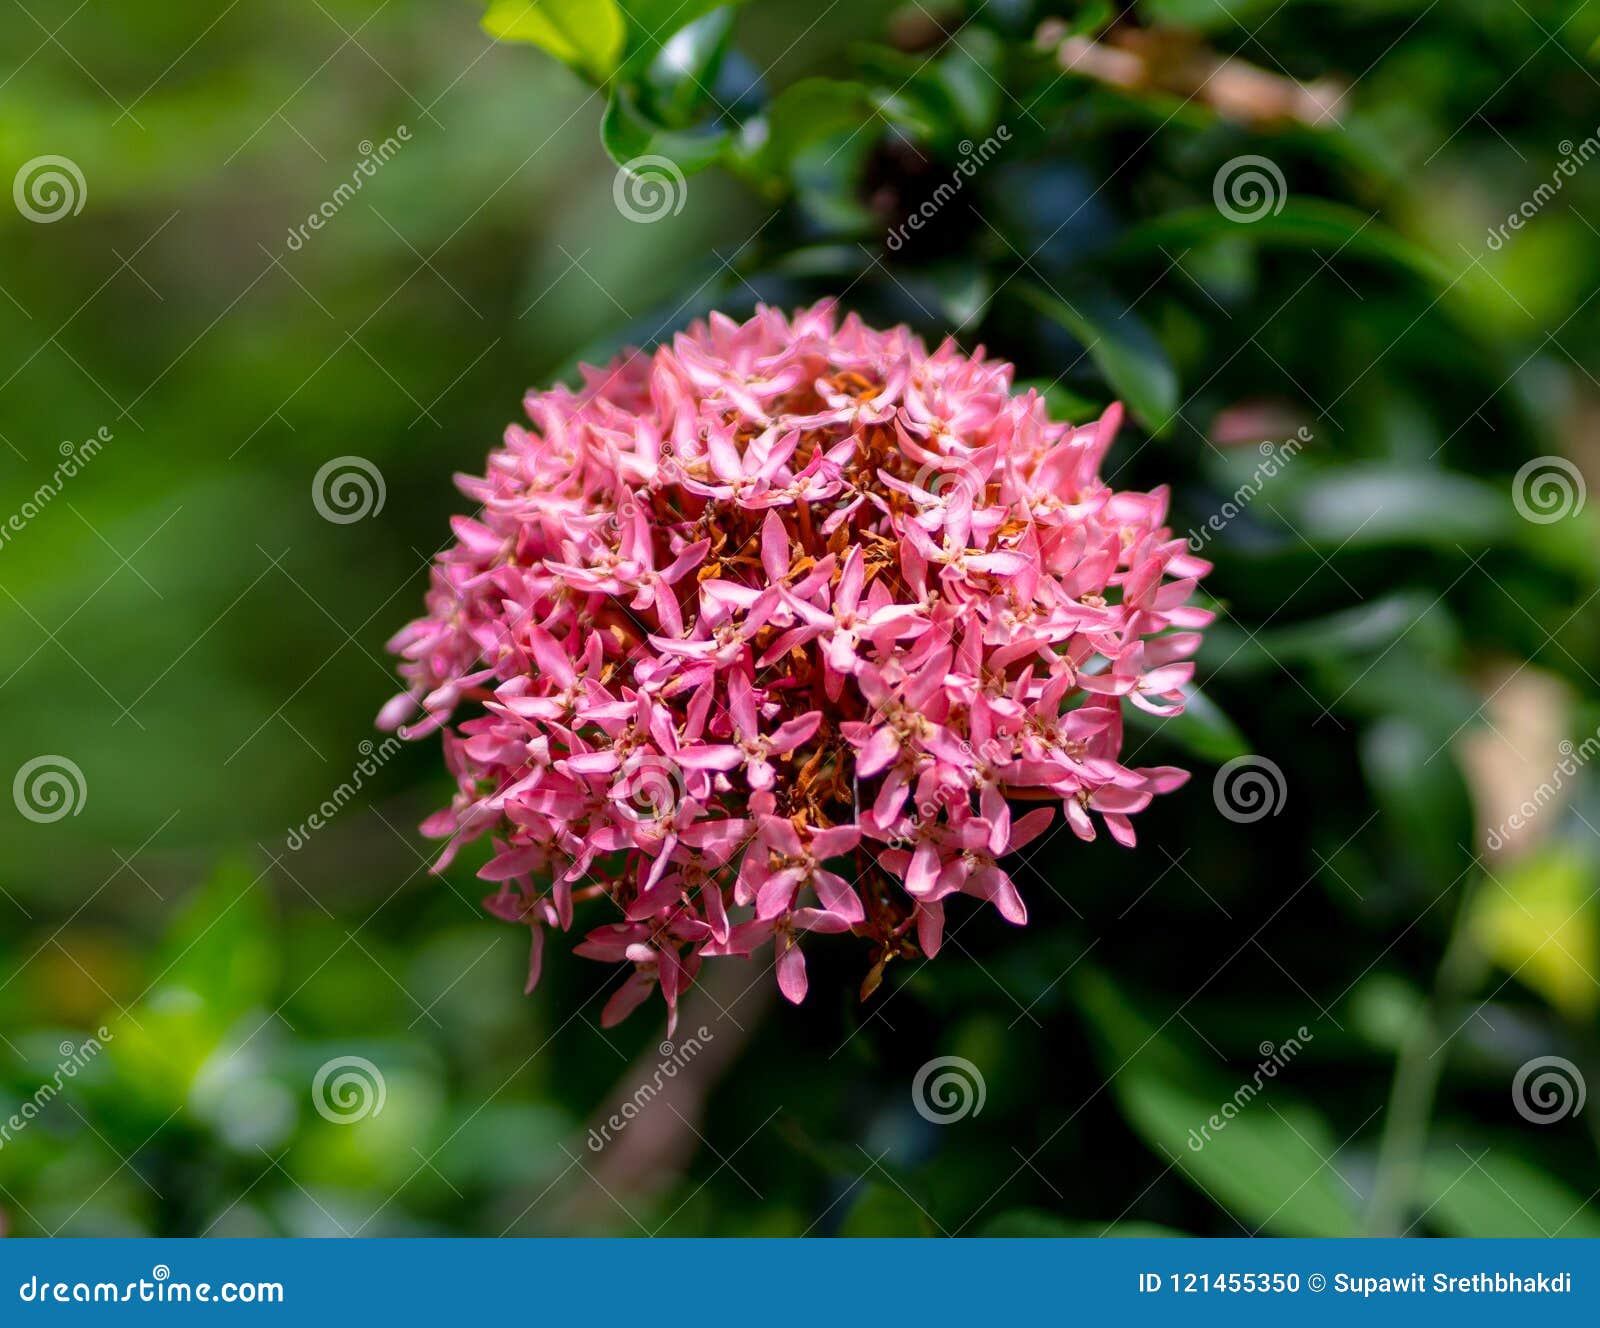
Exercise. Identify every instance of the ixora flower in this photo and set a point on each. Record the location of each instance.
(763, 633)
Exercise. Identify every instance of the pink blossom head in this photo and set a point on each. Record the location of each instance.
(766, 632)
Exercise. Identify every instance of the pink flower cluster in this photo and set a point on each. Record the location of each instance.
(763, 634)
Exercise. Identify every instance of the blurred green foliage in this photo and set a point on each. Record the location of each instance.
(1395, 635)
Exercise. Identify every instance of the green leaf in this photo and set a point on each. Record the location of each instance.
(882, 1210)
(1261, 1155)
(629, 134)
(1122, 348)
(585, 34)
(1063, 403)
(1368, 506)
(678, 77)
(651, 24)
(1202, 730)
(962, 290)
(1308, 223)
(1208, 15)
(1036, 1224)
(1536, 919)
(222, 944)
(807, 113)
(1368, 628)
(1489, 1191)
(1427, 809)
(967, 74)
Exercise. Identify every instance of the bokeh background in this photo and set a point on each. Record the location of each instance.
(1406, 652)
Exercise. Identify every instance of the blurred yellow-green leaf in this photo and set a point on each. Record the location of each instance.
(586, 34)
(1536, 918)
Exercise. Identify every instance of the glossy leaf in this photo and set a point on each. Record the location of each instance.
(1122, 348)
(1266, 1164)
(1302, 223)
(629, 135)
(1202, 730)
(1484, 1189)
(652, 24)
(586, 34)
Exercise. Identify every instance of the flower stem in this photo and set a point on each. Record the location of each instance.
(1416, 1079)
